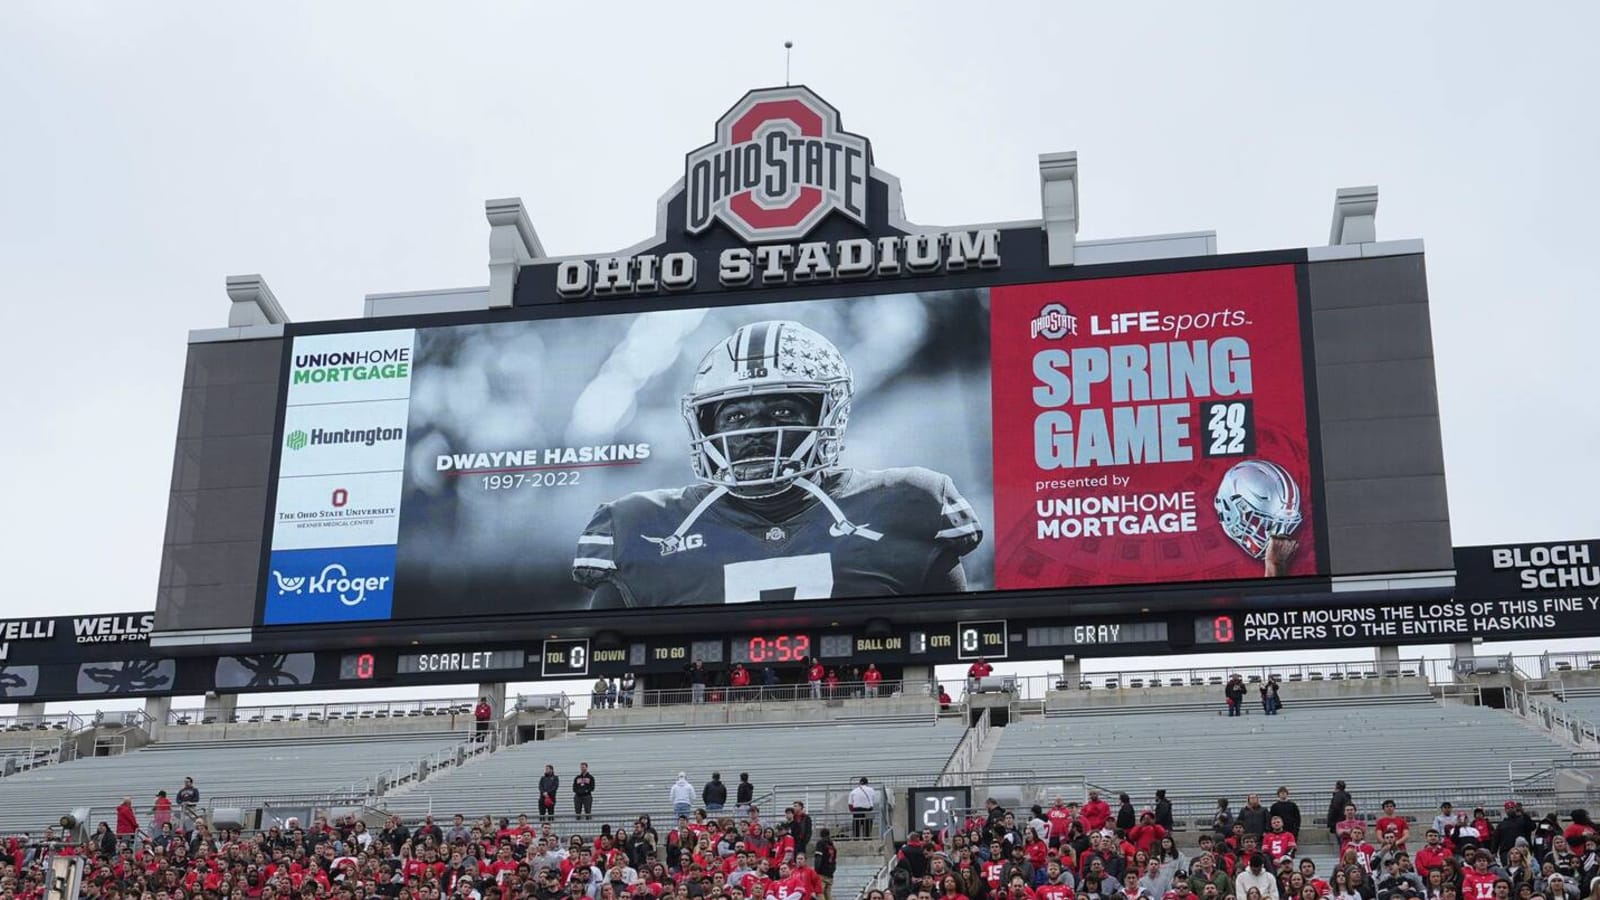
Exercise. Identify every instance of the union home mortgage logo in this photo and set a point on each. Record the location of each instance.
(779, 165)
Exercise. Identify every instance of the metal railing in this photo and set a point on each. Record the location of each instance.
(69, 721)
(329, 713)
(965, 754)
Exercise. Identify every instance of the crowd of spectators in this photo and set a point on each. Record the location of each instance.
(1094, 852)
(706, 856)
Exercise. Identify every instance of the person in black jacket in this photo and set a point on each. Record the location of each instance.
(1233, 692)
(548, 785)
(1341, 799)
(583, 793)
(827, 861)
(715, 793)
(801, 830)
(1126, 817)
(1163, 810)
(1288, 811)
(745, 793)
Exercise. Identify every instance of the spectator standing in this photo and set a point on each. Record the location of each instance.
(1233, 692)
(611, 693)
(814, 675)
(481, 714)
(1126, 817)
(1514, 824)
(161, 812)
(769, 682)
(597, 694)
(583, 793)
(944, 699)
(698, 677)
(127, 821)
(549, 784)
(1389, 822)
(682, 795)
(1095, 813)
(827, 861)
(1222, 820)
(715, 793)
(188, 793)
(801, 828)
(979, 669)
(629, 687)
(1253, 816)
(1288, 811)
(1163, 810)
(744, 793)
(1269, 695)
(1336, 805)
(739, 681)
(862, 800)
(872, 678)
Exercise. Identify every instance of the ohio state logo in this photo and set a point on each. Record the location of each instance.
(779, 165)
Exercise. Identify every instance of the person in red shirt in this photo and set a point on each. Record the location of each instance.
(832, 681)
(1096, 813)
(1147, 834)
(944, 699)
(1059, 818)
(1477, 883)
(1277, 843)
(980, 669)
(1388, 821)
(127, 821)
(872, 678)
(481, 714)
(789, 886)
(1433, 854)
(1054, 887)
(814, 675)
(739, 680)
(1581, 832)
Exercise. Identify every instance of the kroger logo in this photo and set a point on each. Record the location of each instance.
(335, 579)
(330, 585)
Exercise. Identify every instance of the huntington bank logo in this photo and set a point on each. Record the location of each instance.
(779, 165)
(1053, 322)
(300, 439)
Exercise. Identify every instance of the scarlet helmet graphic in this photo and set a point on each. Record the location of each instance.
(767, 359)
(1256, 501)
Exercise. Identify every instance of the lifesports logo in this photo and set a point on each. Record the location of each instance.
(351, 365)
(338, 585)
(780, 164)
(299, 439)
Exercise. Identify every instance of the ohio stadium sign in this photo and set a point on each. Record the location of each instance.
(778, 169)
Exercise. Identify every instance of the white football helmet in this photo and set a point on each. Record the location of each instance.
(769, 359)
(1256, 501)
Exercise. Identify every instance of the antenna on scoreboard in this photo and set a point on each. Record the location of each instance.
(787, 46)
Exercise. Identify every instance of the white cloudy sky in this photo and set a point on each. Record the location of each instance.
(147, 150)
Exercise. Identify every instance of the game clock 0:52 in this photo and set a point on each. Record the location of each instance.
(770, 649)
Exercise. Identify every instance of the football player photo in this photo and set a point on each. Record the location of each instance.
(773, 513)
(1258, 505)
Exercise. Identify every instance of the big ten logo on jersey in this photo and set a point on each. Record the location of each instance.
(674, 543)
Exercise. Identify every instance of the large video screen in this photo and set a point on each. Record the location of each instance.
(1147, 429)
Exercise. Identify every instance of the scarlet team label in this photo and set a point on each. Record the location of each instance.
(1151, 429)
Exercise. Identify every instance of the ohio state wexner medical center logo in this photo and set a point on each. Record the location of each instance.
(780, 164)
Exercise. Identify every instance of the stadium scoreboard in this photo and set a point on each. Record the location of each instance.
(793, 424)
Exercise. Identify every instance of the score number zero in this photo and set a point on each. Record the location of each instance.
(987, 639)
(503, 481)
(565, 658)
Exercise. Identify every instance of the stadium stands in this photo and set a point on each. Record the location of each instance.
(29, 801)
(634, 768)
(1200, 754)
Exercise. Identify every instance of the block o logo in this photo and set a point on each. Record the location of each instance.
(297, 440)
(779, 165)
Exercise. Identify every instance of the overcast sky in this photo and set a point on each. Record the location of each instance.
(148, 150)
